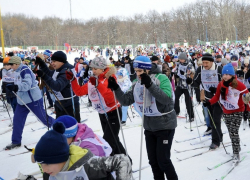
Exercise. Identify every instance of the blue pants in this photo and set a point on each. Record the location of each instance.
(206, 116)
(13, 102)
(124, 113)
(21, 114)
(48, 96)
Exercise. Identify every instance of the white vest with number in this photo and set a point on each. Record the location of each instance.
(232, 99)
(184, 69)
(8, 76)
(77, 174)
(98, 103)
(209, 78)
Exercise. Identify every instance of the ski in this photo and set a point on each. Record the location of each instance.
(198, 154)
(220, 164)
(137, 170)
(195, 143)
(181, 116)
(180, 151)
(19, 153)
(184, 140)
(231, 169)
(195, 126)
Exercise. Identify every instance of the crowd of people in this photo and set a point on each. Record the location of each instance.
(152, 81)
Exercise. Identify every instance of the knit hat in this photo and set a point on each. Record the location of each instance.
(224, 61)
(70, 123)
(47, 52)
(59, 56)
(234, 57)
(99, 63)
(154, 58)
(142, 62)
(6, 60)
(15, 60)
(218, 56)
(52, 148)
(182, 56)
(240, 73)
(207, 57)
(167, 58)
(228, 69)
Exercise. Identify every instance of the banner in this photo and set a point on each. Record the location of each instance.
(164, 45)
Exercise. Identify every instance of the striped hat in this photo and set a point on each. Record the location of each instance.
(142, 62)
(70, 123)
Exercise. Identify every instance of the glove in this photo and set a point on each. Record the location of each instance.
(86, 73)
(146, 80)
(212, 90)
(93, 81)
(223, 93)
(12, 87)
(206, 103)
(189, 80)
(40, 62)
(246, 98)
(69, 75)
(40, 73)
(112, 84)
(182, 72)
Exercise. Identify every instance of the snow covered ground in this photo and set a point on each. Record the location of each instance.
(191, 169)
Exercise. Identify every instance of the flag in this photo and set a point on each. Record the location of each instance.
(68, 48)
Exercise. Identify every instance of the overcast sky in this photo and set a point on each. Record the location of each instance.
(87, 9)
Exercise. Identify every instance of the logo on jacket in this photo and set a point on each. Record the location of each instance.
(78, 178)
(93, 93)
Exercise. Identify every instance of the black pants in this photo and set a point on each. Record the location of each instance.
(178, 93)
(49, 98)
(246, 114)
(158, 148)
(61, 112)
(113, 140)
(216, 113)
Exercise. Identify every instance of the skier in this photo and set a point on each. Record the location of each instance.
(62, 161)
(230, 93)
(57, 81)
(159, 115)
(208, 76)
(102, 100)
(26, 88)
(184, 70)
(125, 84)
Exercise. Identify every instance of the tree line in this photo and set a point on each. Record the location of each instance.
(213, 20)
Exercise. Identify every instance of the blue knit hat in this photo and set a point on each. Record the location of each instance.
(228, 69)
(142, 62)
(52, 148)
(47, 52)
(70, 123)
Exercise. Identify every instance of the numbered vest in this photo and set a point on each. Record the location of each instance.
(209, 78)
(98, 103)
(232, 99)
(8, 76)
(77, 174)
(182, 68)
(127, 67)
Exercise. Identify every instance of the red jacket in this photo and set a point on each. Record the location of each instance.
(241, 87)
(103, 89)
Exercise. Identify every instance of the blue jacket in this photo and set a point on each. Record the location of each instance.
(28, 89)
(61, 84)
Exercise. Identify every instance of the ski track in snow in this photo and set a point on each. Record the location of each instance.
(190, 169)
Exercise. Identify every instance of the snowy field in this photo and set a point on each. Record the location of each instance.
(190, 169)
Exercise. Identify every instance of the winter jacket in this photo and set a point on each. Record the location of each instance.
(161, 90)
(102, 88)
(197, 79)
(28, 89)
(86, 138)
(83, 162)
(242, 90)
(61, 84)
(181, 82)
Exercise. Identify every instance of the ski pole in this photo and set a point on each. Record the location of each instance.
(72, 97)
(45, 106)
(27, 107)
(143, 106)
(5, 105)
(56, 97)
(216, 130)
(119, 118)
